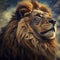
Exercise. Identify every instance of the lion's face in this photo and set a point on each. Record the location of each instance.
(43, 24)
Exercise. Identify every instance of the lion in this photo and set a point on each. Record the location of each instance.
(30, 34)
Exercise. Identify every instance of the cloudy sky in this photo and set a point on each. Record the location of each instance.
(9, 6)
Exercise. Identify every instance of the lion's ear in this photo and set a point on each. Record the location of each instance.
(24, 7)
(45, 9)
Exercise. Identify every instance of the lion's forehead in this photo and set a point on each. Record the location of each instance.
(42, 13)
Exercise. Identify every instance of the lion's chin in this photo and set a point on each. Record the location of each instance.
(50, 34)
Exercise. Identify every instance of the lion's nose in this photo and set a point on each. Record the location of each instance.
(52, 21)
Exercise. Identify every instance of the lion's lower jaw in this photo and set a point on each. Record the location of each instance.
(50, 35)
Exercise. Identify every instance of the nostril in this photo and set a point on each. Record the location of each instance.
(52, 21)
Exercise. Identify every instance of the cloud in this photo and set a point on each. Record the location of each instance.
(8, 13)
(57, 3)
(6, 16)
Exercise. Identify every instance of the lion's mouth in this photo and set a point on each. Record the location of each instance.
(52, 29)
(49, 33)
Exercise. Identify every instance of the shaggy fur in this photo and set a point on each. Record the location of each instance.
(18, 40)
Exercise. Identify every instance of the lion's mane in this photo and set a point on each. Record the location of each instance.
(13, 47)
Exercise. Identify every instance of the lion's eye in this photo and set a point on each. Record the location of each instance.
(38, 15)
(36, 20)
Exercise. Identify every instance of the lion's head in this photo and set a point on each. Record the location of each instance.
(38, 17)
(34, 28)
